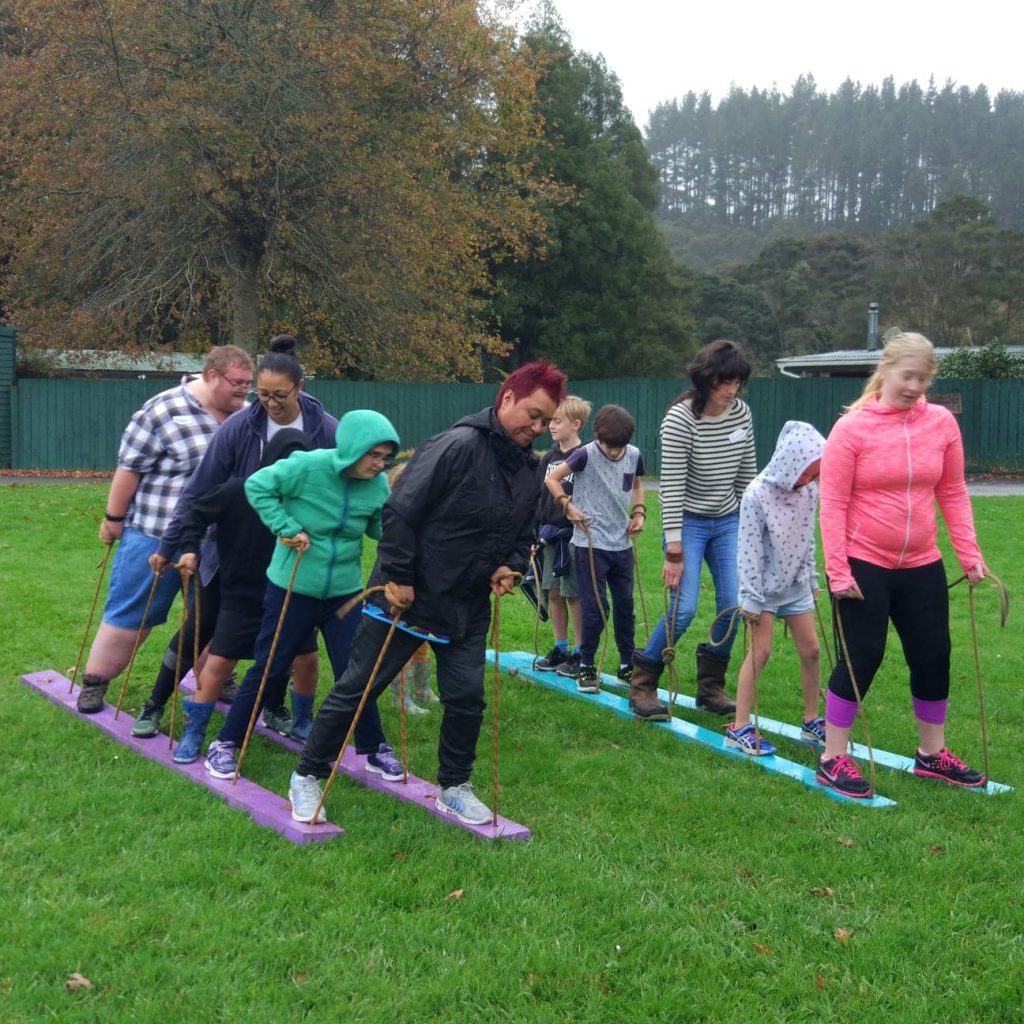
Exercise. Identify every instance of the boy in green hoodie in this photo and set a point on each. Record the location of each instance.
(321, 503)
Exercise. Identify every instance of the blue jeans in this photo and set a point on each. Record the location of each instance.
(304, 615)
(711, 540)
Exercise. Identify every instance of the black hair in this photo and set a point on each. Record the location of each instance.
(614, 426)
(282, 359)
(719, 361)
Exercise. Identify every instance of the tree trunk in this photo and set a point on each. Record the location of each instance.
(244, 333)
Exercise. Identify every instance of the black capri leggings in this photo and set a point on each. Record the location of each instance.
(917, 601)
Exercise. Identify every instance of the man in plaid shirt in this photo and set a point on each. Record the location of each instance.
(160, 448)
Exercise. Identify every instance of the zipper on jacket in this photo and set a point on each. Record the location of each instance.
(334, 545)
(910, 483)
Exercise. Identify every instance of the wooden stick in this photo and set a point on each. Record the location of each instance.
(92, 611)
(137, 645)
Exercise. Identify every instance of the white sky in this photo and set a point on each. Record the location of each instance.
(661, 49)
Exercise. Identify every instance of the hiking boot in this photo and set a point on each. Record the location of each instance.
(570, 668)
(304, 794)
(385, 764)
(90, 696)
(711, 693)
(302, 716)
(842, 774)
(278, 720)
(587, 681)
(229, 691)
(148, 722)
(643, 690)
(948, 768)
(220, 759)
(551, 660)
(813, 731)
(461, 801)
(747, 739)
(197, 718)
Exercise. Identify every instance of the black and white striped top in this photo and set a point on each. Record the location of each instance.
(705, 464)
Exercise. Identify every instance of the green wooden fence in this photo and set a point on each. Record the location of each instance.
(76, 424)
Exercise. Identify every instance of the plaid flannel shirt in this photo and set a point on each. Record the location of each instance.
(164, 442)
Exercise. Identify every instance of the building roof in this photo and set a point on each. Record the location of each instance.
(852, 362)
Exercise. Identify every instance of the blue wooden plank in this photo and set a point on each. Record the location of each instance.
(521, 663)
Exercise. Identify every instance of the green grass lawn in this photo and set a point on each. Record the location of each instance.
(663, 883)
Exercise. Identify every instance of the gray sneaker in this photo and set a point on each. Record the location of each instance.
(229, 691)
(304, 793)
(148, 722)
(461, 801)
(278, 720)
(90, 697)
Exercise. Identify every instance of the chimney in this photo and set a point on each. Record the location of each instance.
(872, 326)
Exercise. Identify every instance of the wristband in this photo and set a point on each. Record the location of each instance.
(674, 557)
(114, 519)
(639, 507)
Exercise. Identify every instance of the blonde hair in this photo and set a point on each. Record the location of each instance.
(222, 358)
(905, 345)
(575, 408)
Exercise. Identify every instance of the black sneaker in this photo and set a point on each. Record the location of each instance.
(147, 724)
(625, 673)
(230, 689)
(570, 668)
(90, 696)
(586, 679)
(842, 774)
(555, 657)
(947, 767)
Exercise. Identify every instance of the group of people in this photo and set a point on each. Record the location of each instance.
(266, 505)
(889, 458)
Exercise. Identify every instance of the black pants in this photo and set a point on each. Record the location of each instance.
(460, 683)
(614, 571)
(209, 606)
(917, 602)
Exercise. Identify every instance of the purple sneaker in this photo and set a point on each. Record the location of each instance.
(385, 764)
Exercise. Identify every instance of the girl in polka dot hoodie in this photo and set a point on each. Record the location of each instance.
(777, 576)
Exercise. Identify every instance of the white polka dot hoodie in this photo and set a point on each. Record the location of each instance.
(776, 547)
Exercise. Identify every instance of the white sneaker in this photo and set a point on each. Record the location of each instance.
(304, 793)
(460, 801)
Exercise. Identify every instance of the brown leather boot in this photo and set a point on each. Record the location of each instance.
(643, 690)
(711, 693)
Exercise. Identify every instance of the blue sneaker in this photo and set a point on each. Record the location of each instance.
(813, 730)
(747, 740)
(385, 764)
(461, 801)
(220, 760)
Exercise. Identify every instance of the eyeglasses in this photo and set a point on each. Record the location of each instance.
(277, 397)
(239, 387)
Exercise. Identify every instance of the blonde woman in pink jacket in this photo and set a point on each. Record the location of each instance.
(886, 463)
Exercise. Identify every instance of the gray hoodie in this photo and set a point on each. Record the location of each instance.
(775, 553)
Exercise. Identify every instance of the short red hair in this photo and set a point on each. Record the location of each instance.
(538, 375)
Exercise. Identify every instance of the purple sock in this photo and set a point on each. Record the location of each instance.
(839, 711)
(932, 712)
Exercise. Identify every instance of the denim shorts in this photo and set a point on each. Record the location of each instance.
(130, 581)
(801, 606)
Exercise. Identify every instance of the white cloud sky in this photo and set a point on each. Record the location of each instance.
(661, 50)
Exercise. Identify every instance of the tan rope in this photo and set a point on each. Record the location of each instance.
(185, 582)
(536, 615)
(640, 586)
(266, 667)
(496, 645)
(102, 566)
(856, 689)
(598, 596)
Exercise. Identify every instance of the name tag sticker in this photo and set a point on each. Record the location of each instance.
(737, 435)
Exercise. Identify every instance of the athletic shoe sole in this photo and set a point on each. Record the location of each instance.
(767, 750)
(657, 716)
(925, 774)
(383, 773)
(218, 774)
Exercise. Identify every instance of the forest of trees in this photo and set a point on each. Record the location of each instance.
(418, 193)
(859, 159)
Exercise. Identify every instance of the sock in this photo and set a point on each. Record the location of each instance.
(562, 645)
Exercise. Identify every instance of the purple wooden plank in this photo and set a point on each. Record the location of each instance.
(265, 808)
(415, 791)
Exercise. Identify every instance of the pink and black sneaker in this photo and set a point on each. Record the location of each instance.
(842, 774)
(948, 768)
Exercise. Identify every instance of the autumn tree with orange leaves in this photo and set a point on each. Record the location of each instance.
(208, 171)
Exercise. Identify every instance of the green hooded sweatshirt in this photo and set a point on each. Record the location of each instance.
(309, 492)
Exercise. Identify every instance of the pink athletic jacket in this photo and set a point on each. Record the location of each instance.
(882, 471)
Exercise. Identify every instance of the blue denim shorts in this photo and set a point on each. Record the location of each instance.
(801, 606)
(130, 582)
